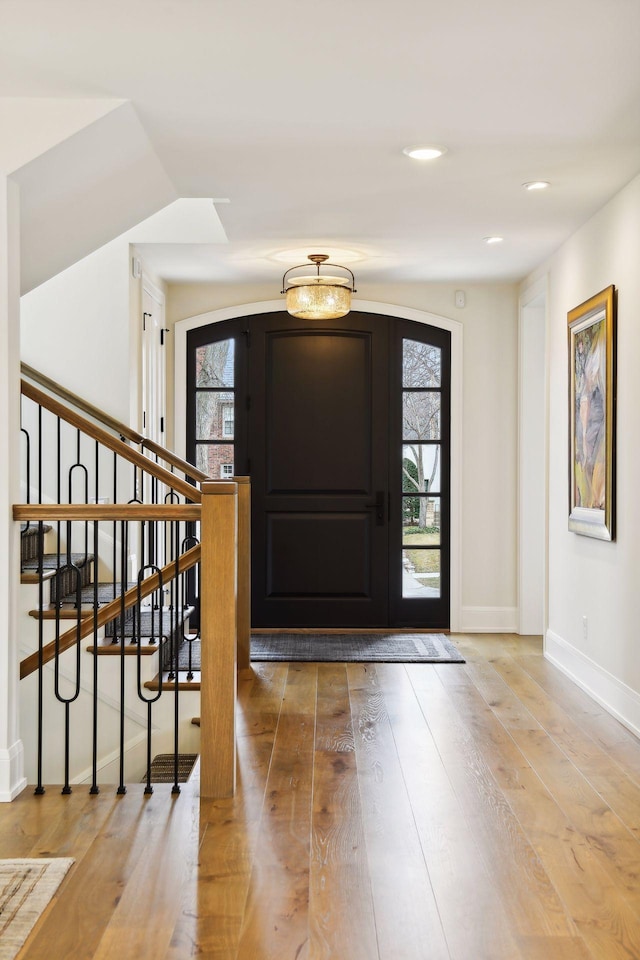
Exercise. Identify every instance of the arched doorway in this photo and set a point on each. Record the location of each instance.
(344, 428)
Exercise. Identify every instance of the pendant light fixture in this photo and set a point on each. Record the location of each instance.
(316, 296)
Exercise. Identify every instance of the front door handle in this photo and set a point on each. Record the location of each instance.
(377, 506)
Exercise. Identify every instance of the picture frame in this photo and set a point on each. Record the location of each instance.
(592, 391)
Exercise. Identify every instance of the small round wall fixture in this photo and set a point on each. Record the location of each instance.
(318, 296)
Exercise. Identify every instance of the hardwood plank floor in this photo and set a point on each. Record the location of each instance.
(486, 811)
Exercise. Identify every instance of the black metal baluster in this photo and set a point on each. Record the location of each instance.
(148, 700)
(67, 701)
(123, 561)
(28, 471)
(39, 454)
(187, 544)
(94, 739)
(114, 567)
(174, 613)
(85, 473)
(39, 790)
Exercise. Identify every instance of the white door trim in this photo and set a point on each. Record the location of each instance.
(455, 328)
(158, 296)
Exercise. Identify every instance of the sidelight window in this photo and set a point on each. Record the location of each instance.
(421, 468)
(214, 407)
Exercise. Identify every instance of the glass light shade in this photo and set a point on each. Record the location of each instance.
(313, 300)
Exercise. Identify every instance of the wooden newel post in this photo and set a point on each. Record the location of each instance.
(218, 630)
(244, 572)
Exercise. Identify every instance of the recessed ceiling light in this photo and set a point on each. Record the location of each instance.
(536, 185)
(426, 151)
(493, 239)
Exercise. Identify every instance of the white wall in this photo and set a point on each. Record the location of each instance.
(12, 779)
(488, 523)
(532, 463)
(593, 578)
(83, 329)
(75, 328)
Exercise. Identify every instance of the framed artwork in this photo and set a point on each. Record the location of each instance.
(592, 416)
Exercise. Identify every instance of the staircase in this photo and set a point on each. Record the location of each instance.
(107, 681)
(71, 585)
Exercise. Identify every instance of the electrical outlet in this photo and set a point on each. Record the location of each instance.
(585, 628)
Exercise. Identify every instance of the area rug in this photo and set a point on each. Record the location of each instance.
(344, 648)
(26, 887)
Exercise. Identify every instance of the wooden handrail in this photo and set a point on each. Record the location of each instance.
(116, 425)
(107, 511)
(110, 611)
(111, 442)
(175, 461)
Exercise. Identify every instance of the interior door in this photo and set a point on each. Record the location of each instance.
(318, 444)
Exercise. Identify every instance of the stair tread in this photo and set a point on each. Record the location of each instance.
(183, 683)
(31, 529)
(51, 561)
(107, 647)
(33, 576)
(151, 622)
(107, 592)
(50, 612)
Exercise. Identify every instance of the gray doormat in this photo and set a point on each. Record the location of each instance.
(355, 647)
(342, 648)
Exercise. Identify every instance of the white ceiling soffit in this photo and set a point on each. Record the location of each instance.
(180, 243)
(30, 127)
(187, 220)
(298, 113)
(85, 191)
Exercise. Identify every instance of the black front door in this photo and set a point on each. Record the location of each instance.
(343, 427)
(319, 474)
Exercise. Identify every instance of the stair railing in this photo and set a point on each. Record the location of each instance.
(118, 428)
(190, 508)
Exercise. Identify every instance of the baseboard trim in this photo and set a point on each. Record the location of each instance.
(489, 620)
(12, 779)
(617, 698)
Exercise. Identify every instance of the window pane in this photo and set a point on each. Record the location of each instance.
(214, 364)
(421, 521)
(215, 459)
(214, 415)
(421, 573)
(421, 364)
(421, 415)
(421, 468)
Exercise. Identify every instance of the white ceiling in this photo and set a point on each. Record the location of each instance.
(296, 113)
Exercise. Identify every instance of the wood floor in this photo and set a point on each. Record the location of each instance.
(489, 811)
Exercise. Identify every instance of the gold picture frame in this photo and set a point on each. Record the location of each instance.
(592, 416)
